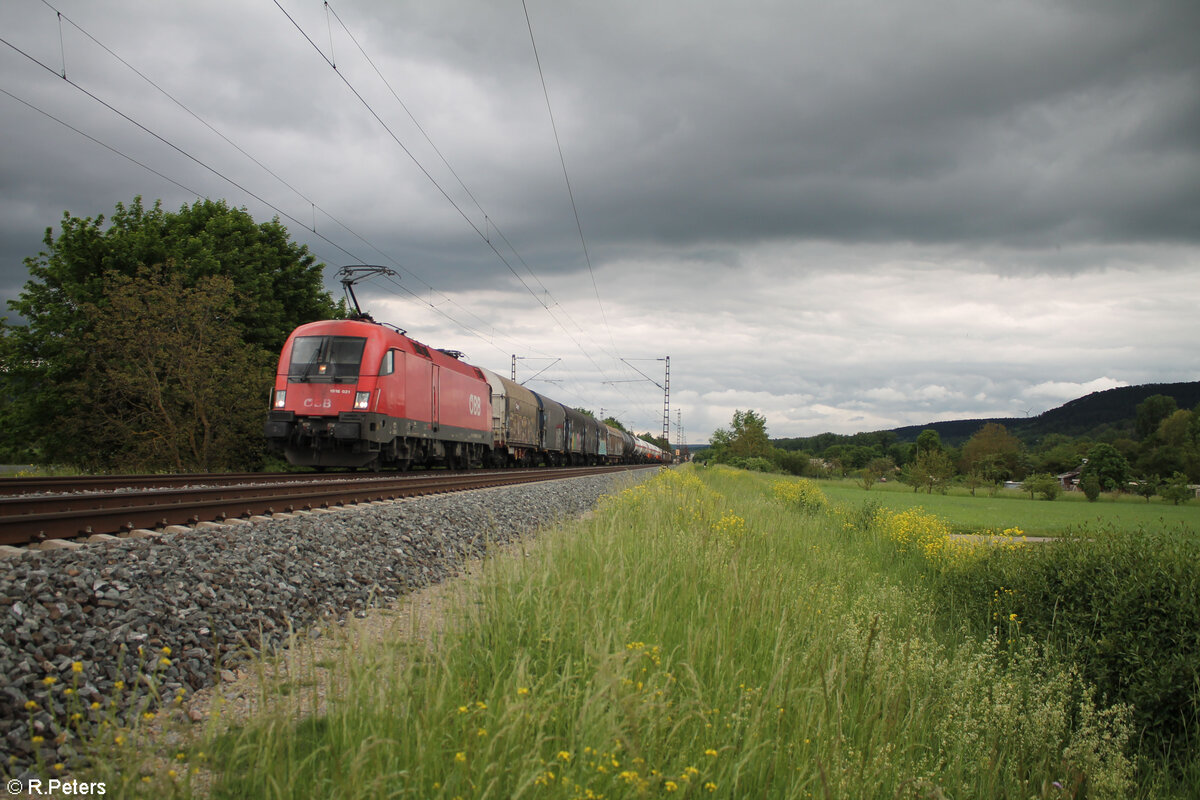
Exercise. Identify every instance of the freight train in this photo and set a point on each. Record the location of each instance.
(357, 393)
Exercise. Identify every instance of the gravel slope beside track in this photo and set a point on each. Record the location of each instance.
(206, 595)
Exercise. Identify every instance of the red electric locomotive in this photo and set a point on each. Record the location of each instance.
(354, 393)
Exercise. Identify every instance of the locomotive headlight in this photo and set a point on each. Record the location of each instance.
(280, 398)
(361, 399)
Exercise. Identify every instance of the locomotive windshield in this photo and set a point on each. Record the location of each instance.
(331, 359)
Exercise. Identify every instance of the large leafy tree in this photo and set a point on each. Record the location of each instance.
(746, 437)
(48, 410)
(928, 442)
(932, 469)
(1174, 447)
(992, 453)
(1151, 412)
(1109, 466)
(175, 386)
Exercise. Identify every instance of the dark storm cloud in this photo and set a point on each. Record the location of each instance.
(1026, 124)
(878, 213)
(978, 125)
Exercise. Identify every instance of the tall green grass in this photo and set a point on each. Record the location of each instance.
(699, 636)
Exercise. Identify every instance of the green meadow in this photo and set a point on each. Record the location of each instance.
(1009, 508)
(719, 633)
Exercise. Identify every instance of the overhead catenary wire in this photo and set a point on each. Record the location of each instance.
(567, 178)
(570, 192)
(313, 205)
(425, 171)
(416, 298)
(172, 145)
(199, 194)
(552, 307)
(371, 110)
(490, 223)
(105, 145)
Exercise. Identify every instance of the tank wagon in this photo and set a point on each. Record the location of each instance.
(356, 393)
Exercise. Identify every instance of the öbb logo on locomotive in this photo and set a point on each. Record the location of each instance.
(357, 393)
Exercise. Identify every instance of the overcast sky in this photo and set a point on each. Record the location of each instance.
(847, 216)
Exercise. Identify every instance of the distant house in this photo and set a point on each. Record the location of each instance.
(1069, 480)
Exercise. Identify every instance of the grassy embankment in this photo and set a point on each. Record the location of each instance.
(715, 634)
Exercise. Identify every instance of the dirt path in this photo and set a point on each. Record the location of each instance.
(299, 681)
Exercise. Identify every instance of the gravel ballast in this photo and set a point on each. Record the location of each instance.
(175, 610)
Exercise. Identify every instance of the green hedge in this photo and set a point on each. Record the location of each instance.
(1124, 606)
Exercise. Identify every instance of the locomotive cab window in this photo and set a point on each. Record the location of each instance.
(388, 365)
(326, 359)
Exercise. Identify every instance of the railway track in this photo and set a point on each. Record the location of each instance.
(106, 483)
(65, 508)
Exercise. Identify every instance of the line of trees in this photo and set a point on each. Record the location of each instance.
(1163, 459)
(148, 341)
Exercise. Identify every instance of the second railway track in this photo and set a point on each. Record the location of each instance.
(80, 509)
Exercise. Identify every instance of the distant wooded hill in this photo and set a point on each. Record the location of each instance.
(1095, 415)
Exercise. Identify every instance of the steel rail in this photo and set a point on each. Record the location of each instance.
(10, 486)
(25, 520)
